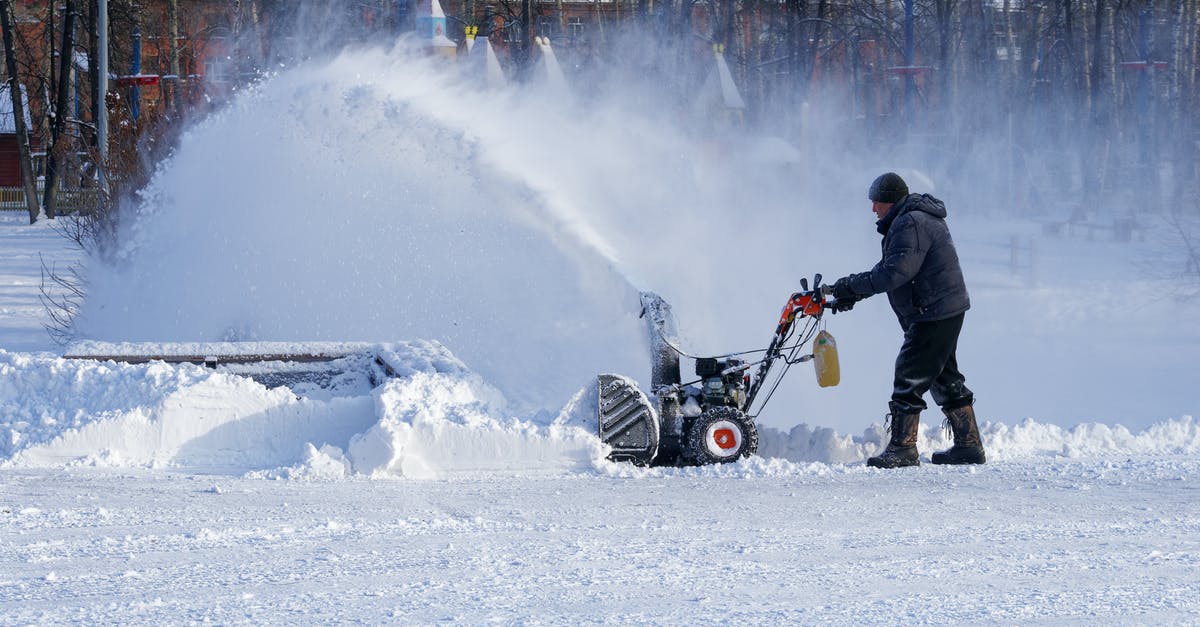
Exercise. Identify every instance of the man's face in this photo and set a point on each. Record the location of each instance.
(881, 208)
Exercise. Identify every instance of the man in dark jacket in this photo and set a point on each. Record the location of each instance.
(924, 283)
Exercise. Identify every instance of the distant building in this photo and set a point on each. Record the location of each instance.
(10, 162)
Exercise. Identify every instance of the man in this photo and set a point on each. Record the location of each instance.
(924, 283)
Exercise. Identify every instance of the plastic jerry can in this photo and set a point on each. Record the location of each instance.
(825, 360)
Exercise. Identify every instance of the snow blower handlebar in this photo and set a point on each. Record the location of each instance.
(805, 303)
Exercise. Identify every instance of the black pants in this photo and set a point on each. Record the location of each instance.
(927, 363)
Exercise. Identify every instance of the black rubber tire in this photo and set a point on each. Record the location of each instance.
(719, 436)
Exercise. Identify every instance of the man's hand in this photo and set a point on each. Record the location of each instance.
(841, 290)
(843, 298)
(842, 304)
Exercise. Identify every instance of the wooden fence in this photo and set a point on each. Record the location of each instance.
(69, 200)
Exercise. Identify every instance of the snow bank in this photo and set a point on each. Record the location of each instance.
(60, 411)
(430, 425)
(436, 418)
(1029, 438)
(1172, 437)
(803, 443)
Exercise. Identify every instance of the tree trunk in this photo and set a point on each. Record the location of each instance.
(1073, 71)
(944, 14)
(18, 107)
(172, 104)
(1148, 110)
(1010, 45)
(525, 46)
(599, 22)
(57, 131)
(795, 12)
(1183, 100)
(814, 44)
(1109, 47)
(1179, 43)
(48, 70)
(93, 67)
(1099, 108)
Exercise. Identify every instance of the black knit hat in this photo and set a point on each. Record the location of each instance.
(888, 187)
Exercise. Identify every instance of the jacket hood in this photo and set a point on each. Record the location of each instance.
(912, 202)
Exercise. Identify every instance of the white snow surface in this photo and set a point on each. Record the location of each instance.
(1039, 541)
(437, 419)
(26, 248)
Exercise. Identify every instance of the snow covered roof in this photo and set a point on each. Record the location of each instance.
(7, 122)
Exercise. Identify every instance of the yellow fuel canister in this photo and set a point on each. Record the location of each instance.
(825, 359)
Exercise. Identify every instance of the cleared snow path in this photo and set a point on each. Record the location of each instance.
(764, 542)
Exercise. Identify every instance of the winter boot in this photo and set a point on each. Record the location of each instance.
(902, 449)
(968, 447)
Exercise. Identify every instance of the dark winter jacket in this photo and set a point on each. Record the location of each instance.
(919, 270)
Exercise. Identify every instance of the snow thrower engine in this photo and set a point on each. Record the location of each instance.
(709, 420)
(723, 381)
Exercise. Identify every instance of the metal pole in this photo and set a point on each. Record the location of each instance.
(102, 88)
(135, 105)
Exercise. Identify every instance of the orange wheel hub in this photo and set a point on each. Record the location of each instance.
(725, 438)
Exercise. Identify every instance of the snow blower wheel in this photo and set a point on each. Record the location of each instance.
(720, 435)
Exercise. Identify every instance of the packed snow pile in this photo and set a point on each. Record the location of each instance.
(1172, 437)
(428, 423)
(434, 417)
(431, 417)
(1001, 441)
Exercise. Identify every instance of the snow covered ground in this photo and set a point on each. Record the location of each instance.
(469, 488)
(1041, 540)
(25, 249)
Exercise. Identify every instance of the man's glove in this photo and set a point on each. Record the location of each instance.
(844, 298)
(841, 289)
(842, 305)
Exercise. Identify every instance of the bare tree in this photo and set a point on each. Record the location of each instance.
(18, 109)
(58, 139)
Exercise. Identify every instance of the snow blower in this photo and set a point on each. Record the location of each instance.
(709, 420)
